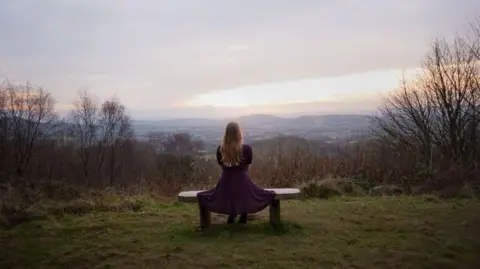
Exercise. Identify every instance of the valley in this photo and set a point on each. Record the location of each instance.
(322, 128)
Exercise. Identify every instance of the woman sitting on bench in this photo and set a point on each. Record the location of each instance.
(235, 193)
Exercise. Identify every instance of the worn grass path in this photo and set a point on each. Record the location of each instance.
(399, 232)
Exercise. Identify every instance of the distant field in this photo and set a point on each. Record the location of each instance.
(397, 232)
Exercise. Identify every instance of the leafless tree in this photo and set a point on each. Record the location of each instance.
(406, 118)
(198, 145)
(176, 154)
(85, 125)
(475, 41)
(3, 127)
(437, 113)
(156, 141)
(30, 115)
(178, 144)
(475, 38)
(115, 127)
(451, 83)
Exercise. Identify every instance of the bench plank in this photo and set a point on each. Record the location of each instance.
(281, 194)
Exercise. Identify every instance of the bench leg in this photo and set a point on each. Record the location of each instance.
(275, 213)
(204, 218)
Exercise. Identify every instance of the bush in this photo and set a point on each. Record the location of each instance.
(432, 198)
(107, 203)
(466, 191)
(385, 190)
(331, 186)
(16, 208)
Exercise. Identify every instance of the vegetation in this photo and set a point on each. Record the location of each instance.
(397, 232)
(84, 192)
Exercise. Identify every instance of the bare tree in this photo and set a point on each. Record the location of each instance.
(85, 127)
(475, 27)
(438, 112)
(30, 116)
(450, 81)
(178, 144)
(198, 145)
(115, 127)
(175, 154)
(406, 118)
(3, 128)
(475, 41)
(156, 141)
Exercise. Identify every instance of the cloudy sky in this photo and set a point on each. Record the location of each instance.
(211, 58)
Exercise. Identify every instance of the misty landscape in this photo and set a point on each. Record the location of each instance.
(327, 128)
(342, 134)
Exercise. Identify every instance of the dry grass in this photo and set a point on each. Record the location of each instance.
(331, 186)
(349, 232)
(18, 205)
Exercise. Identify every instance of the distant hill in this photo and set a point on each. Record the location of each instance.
(260, 127)
(292, 144)
(260, 119)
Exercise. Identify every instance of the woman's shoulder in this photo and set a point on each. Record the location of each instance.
(247, 149)
(246, 146)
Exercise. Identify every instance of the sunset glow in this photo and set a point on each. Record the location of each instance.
(306, 90)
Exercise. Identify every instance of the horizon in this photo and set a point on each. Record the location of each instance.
(281, 116)
(184, 59)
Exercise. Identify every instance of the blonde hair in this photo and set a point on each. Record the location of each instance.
(231, 148)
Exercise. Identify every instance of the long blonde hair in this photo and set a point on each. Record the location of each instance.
(231, 148)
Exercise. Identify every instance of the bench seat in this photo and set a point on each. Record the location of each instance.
(281, 194)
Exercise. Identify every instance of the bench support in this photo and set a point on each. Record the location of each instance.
(275, 213)
(205, 218)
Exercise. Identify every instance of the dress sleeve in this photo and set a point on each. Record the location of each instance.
(219, 156)
(248, 154)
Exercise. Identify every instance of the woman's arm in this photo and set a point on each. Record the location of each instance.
(219, 156)
(248, 156)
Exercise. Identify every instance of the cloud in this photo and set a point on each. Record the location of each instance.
(306, 90)
(157, 54)
(238, 47)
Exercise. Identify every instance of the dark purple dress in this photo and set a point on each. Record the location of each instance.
(235, 193)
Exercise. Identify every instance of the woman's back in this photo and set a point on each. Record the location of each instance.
(235, 193)
(246, 159)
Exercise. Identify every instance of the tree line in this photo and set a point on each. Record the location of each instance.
(425, 135)
(435, 118)
(94, 145)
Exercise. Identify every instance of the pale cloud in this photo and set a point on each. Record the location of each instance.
(238, 47)
(157, 55)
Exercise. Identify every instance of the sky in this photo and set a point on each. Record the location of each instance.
(217, 58)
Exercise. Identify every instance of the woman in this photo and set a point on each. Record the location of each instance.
(235, 194)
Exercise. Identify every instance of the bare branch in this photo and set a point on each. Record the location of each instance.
(30, 116)
(84, 118)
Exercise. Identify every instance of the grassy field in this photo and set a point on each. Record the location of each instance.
(400, 232)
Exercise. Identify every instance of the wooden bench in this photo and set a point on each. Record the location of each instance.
(205, 215)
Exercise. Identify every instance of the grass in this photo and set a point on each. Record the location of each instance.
(352, 232)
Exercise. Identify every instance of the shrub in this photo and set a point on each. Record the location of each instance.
(385, 190)
(466, 191)
(331, 186)
(431, 198)
(107, 203)
(15, 209)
